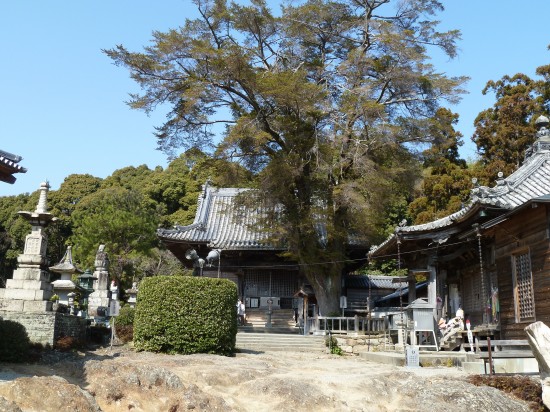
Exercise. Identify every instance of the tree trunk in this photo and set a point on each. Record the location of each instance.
(538, 335)
(327, 286)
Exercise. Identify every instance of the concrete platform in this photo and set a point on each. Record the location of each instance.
(468, 361)
(427, 358)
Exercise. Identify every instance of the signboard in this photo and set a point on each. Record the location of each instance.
(343, 302)
(114, 308)
(413, 356)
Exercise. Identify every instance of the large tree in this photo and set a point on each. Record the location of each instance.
(124, 220)
(504, 131)
(446, 184)
(325, 101)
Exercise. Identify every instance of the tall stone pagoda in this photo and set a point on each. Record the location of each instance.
(30, 288)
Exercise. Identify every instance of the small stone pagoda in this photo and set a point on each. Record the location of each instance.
(66, 268)
(30, 288)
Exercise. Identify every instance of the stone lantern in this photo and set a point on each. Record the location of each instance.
(132, 295)
(85, 284)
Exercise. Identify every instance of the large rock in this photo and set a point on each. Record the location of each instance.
(538, 335)
(47, 394)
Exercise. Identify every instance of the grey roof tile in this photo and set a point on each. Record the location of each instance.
(220, 224)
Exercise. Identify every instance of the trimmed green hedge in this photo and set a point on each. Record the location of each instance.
(176, 314)
(14, 342)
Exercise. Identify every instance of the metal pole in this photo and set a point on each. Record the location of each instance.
(219, 262)
(483, 296)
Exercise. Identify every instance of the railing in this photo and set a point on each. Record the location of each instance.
(344, 325)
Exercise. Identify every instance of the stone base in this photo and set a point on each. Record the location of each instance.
(47, 328)
(20, 305)
(29, 273)
(97, 299)
(27, 294)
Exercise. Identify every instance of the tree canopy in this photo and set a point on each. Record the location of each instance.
(446, 182)
(504, 131)
(324, 101)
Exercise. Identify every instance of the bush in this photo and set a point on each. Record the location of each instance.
(332, 343)
(124, 324)
(14, 342)
(125, 316)
(186, 315)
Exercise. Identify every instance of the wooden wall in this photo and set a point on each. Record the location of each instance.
(527, 229)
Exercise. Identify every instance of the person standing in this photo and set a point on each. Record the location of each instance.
(241, 312)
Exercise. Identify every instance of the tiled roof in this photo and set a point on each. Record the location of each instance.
(403, 292)
(530, 181)
(219, 224)
(376, 282)
(9, 165)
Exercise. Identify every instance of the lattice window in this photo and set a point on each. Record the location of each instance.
(523, 287)
(261, 282)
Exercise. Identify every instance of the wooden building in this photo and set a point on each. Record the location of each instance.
(9, 166)
(490, 258)
(226, 240)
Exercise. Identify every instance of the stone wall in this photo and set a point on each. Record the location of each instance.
(363, 343)
(46, 328)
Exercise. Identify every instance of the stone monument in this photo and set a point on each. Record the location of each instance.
(100, 296)
(26, 298)
(30, 288)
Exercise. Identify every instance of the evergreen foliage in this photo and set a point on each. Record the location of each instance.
(324, 102)
(446, 179)
(186, 315)
(14, 342)
(504, 131)
(126, 316)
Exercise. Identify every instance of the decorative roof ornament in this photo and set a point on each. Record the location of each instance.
(541, 124)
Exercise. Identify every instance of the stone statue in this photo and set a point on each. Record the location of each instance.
(538, 335)
(101, 259)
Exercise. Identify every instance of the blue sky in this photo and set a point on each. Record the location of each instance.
(62, 100)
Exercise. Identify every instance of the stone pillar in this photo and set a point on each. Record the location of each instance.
(100, 295)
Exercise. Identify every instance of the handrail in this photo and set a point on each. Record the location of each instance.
(345, 325)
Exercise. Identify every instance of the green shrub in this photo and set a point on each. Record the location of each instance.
(124, 324)
(186, 315)
(125, 316)
(332, 343)
(14, 342)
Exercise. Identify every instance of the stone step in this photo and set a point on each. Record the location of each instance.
(266, 342)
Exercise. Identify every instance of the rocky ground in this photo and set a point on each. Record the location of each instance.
(124, 380)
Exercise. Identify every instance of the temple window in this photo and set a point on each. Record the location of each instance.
(524, 299)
